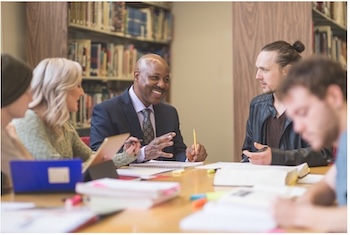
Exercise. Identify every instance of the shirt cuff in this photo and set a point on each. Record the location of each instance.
(141, 156)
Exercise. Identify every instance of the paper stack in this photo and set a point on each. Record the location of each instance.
(244, 209)
(113, 193)
(246, 174)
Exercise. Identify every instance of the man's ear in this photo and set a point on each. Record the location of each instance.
(334, 96)
(136, 74)
(285, 69)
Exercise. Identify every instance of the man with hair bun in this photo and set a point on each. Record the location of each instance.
(270, 139)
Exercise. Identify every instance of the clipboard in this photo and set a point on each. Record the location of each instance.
(109, 147)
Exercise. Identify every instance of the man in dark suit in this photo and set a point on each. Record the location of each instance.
(127, 113)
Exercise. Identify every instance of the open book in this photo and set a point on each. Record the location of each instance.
(246, 174)
(242, 209)
(166, 164)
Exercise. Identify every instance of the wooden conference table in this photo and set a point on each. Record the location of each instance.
(162, 218)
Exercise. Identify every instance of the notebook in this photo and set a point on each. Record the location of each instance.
(109, 147)
(166, 164)
(45, 175)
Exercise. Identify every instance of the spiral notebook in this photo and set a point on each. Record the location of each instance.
(166, 164)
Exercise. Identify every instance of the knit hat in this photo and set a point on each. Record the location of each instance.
(15, 79)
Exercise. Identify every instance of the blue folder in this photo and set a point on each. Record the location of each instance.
(45, 175)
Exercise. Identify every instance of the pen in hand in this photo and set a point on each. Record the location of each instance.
(195, 140)
(132, 141)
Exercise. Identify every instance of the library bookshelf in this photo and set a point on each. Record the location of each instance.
(330, 30)
(106, 38)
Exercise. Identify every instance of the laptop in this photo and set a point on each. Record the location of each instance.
(100, 165)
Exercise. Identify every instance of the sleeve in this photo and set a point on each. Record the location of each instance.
(301, 155)
(123, 159)
(248, 141)
(80, 149)
(180, 147)
(100, 126)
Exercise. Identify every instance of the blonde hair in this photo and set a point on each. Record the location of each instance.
(52, 79)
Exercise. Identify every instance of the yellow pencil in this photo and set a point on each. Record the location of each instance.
(195, 140)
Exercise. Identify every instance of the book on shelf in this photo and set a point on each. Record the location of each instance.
(249, 208)
(166, 164)
(148, 22)
(128, 189)
(246, 174)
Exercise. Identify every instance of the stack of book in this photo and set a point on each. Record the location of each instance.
(111, 194)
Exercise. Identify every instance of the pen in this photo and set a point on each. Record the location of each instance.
(132, 141)
(195, 140)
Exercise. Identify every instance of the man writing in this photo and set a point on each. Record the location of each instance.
(315, 93)
(140, 112)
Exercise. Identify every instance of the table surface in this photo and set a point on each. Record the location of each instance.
(165, 217)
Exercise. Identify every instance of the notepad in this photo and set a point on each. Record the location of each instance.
(143, 173)
(166, 164)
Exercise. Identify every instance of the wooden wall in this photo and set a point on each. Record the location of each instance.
(50, 21)
(256, 24)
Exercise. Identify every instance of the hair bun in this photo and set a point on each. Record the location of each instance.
(298, 46)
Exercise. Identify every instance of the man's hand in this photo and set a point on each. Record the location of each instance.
(262, 157)
(196, 156)
(155, 148)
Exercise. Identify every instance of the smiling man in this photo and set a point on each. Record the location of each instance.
(140, 111)
(267, 126)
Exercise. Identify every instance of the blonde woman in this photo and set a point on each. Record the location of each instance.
(45, 130)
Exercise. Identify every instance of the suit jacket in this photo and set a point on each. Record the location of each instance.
(117, 115)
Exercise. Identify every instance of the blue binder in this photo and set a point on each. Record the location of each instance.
(45, 175)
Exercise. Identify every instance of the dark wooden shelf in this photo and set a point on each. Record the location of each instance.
(321, 19)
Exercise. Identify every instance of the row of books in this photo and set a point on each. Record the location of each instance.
(106, 59)
(334, 10)
(82, 117)
(327, 44)
(149, 22)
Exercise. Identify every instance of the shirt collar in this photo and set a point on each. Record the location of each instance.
(136, 102)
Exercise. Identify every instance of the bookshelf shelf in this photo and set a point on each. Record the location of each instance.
(88, 31)
(321, 19)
